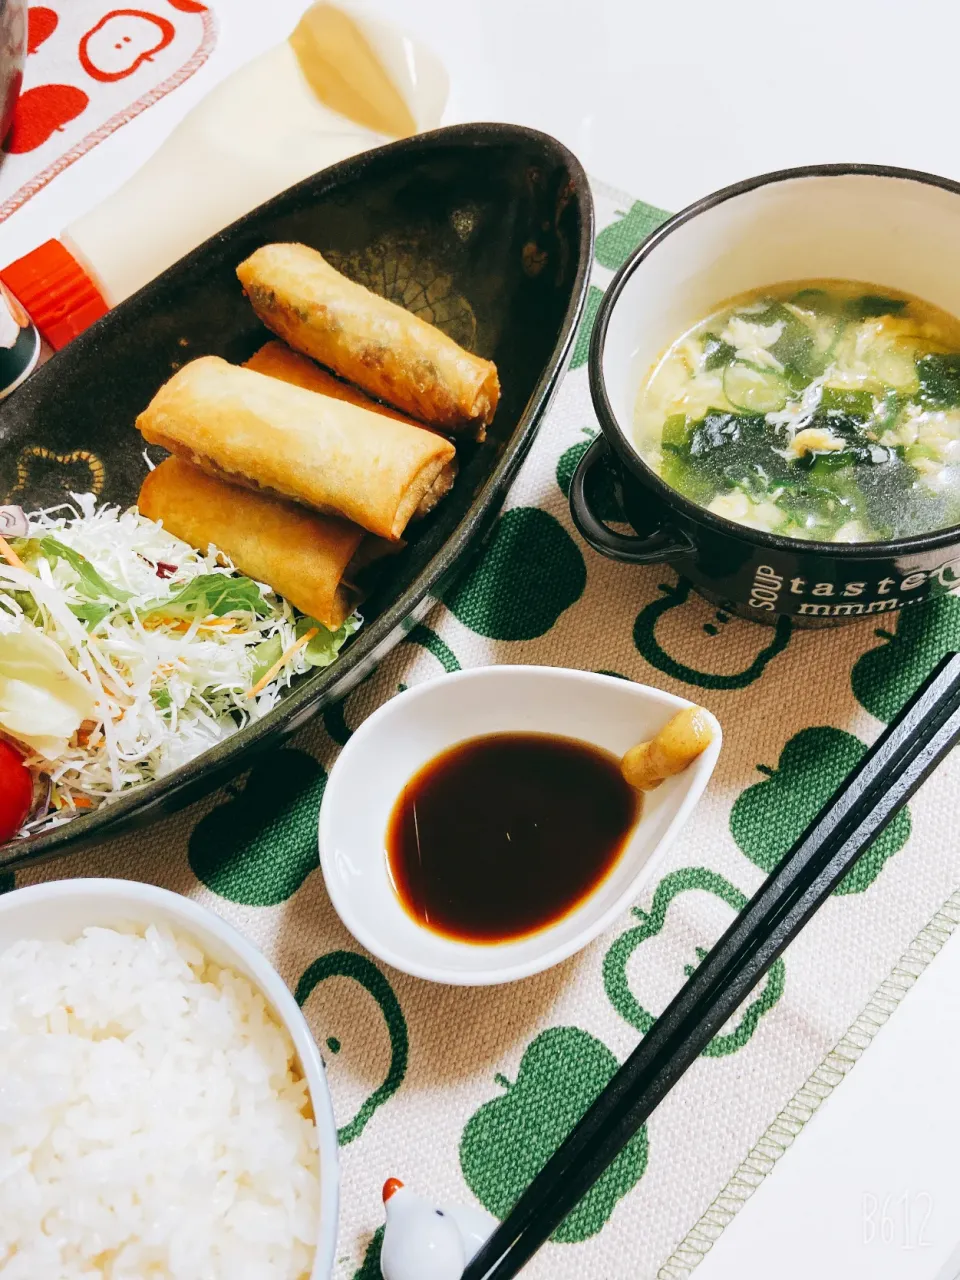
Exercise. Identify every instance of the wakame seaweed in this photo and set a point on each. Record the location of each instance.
(717, 353)
(828, 411)
(939, 378)
(722, 440)
(733, 448)
(859, 404)
(874, 304)
(795, 348)
(895, 504)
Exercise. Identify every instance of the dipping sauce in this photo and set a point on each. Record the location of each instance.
(505, 834)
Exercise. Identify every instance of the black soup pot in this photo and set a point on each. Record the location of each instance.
(893, 228)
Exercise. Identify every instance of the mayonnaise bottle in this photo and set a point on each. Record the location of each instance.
(337, 86)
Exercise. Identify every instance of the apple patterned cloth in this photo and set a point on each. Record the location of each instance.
(464, 1093)
(90, 69)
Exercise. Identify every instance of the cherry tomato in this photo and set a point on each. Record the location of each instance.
(16, 791)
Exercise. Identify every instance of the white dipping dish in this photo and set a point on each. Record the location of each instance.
(62, 909)
(414, 727)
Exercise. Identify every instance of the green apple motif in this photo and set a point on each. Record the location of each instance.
(613, 245)
(616, 242)
(768, 817)
(650, 648)
(335, 716)
(581, 348)
(353, 965)
(429, 640)
(259, 847)
(531, 571)
(884, 678)
(604, 495)
(335, 721)
(370, 1267)
(507, 1141)
(615, 962)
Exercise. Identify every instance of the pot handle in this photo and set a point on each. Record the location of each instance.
(662, 544)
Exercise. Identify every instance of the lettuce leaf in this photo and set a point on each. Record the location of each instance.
(161, 698)
(212, 594)
(28, 604)
(264, 655)
(320, 651)
(91, 583)
(326, 644)
(91, 614)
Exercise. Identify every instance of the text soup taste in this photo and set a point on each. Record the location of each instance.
(842, 599)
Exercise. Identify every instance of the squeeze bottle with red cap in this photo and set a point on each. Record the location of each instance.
(336, 87)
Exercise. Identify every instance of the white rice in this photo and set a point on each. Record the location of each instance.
(153, 1121)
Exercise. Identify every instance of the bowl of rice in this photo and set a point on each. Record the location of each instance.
(163, 1107)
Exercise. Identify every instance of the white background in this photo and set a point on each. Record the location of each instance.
(665, 100)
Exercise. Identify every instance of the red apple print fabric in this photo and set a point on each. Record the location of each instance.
(41, 113)
(91, 67)
(41, 24)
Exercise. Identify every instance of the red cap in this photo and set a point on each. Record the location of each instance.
(390, 1188)
(57, 292)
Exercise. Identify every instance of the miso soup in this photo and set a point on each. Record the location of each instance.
(818, 409)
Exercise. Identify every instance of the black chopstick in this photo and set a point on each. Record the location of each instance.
(891, 771)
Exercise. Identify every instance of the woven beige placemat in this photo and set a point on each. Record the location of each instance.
(463, 1093)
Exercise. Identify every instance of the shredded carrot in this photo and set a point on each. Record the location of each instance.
(281, 662)
(11, 557)
(182, 625)
(82, 802)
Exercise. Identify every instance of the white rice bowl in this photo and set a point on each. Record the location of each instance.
(154, 1119)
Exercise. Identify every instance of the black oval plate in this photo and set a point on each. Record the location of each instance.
(486, 230)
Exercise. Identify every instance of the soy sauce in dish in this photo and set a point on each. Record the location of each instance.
(502, 835)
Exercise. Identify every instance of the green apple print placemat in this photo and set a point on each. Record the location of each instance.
(464, 1093)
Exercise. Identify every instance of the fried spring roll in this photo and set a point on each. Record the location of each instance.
(269, 436)
(277, 360)
(381, 347)
(307, 558)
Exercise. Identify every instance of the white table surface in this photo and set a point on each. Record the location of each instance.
(665, 100)
(870, 1189)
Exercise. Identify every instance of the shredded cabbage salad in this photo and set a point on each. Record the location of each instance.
(125, 653)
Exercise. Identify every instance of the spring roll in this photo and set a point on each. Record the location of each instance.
(381, 347)
(277, 360)
(272, 437)
(307, 558)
